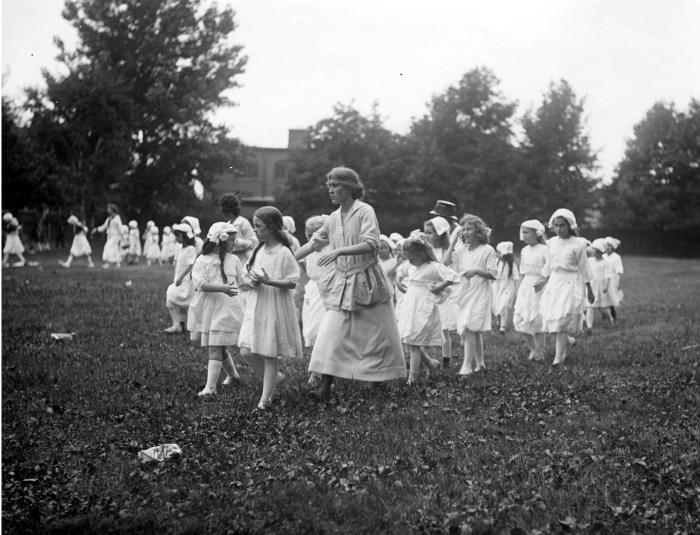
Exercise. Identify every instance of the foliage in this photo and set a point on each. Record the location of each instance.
(559, 165)
(131, 120)
(607, 444)
(363, 143)
(657, 186)
(463, 147)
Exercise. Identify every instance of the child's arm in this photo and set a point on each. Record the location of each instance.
(447, 257)
(438, 288)
(228, 289)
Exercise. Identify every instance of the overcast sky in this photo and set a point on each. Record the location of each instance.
(307, 55)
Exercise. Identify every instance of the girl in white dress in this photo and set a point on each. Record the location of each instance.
(179, 294)
(246, 241)
(600, 283)
(151, 249)
(193, 223)
(419, 320)
(270, 329)
(215, 314)
(313, 309)
(527, 318)
(132, 256)
(616, 272)
(476, 266)
(386, 258)
(168, 245)
(437, 232)
(80, 246)
(112, 253)
(567, 277)
(505, 286)
(13, 243)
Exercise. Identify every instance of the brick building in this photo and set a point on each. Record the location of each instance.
(264, 173)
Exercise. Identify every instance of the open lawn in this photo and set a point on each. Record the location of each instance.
(608, 443)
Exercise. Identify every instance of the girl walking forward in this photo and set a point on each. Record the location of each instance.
(80, 246)
(527, 318)
(270, 329)
(358, 337)
(215, 314)
(505, 286)
(567, 276)
(419, 319)
(151, 249)
(179, 293)
(13, 243)
(616, 272)
(111, 254)
(476, 265)
(437, 231)
(601, 276)
(168, 245)
(134, 252)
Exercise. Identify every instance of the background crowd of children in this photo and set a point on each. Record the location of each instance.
(254, 291)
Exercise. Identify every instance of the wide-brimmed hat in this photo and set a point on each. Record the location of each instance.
(445, 209)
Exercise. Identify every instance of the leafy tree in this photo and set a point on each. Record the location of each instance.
(559, 167)
(131, 119)
(363, 143)
(463, 148)
(657, 186)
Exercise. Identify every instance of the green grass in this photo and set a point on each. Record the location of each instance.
(609, 443)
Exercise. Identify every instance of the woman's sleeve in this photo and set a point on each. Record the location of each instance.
(290, 268)
(369, 227)
(319, 239)
(104, 225)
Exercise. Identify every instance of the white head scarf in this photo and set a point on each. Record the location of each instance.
(386, 240)
(533, 224)
(599, 244)
(219, 232)
(396, 237)
(612, 242)
(566, 214)
(505, 247)
(440, 225)
(194, 223)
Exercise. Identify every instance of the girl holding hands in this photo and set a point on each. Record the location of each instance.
(215, 313)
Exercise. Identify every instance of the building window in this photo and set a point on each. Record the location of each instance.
(281, 169)
(251, 169)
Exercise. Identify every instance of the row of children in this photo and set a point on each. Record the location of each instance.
(434, 300)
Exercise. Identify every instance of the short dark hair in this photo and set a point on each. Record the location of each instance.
(230, 204)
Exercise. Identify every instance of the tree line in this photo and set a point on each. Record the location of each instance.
(130, 121)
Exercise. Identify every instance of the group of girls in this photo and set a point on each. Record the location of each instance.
(449, 278)
(234, 290)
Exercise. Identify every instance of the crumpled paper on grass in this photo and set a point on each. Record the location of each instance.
(164, 452)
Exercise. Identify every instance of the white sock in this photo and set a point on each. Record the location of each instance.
(230, 368)
(213, 371)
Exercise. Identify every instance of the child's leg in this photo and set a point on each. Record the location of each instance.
(213, 370)
(176, 317)
(271, 366)
(613, 313)
(415, 359)
(256, 361)
(590, 316)
(446, 348)
(469, 353)
(89, 261)
(562, 345)
(430, 363)
(230, 369)
(539, 345)
(479, 346)
(531, 345)
(607, 316)
(68, 262)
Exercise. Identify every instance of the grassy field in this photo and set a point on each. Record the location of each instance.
(608, 443)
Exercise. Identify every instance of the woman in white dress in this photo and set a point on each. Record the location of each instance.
(80, 246)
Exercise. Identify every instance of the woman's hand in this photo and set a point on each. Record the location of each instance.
(328, 258)
(230, 290)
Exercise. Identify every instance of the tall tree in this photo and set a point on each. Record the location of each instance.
(657, 186)
(135, 107)
(364, 144)
(463, 148)
(560, 169)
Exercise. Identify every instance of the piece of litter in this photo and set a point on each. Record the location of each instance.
(128, 284)
(62, 336)
(164, 452)
(686, 348)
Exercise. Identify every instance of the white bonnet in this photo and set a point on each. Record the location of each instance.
(154, 229)
(440, 225)
(533, 224)
(396, 237)
(505, 247)
(7, 217)
(73, 220)
(612, 242)
(566, 214)
(288, 224)
(387, 240)
(133, 224)
(167, 229)
(599, 244)
(220, 232)
(192, 222)
(184, 228)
